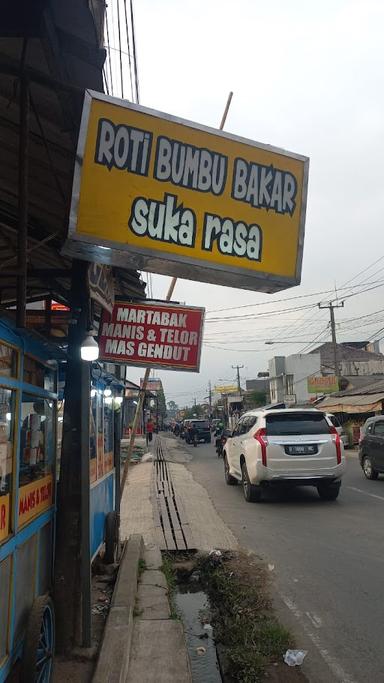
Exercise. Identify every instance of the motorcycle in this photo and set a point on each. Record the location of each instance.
(221, 441)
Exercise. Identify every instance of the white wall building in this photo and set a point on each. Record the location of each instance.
(288, 377)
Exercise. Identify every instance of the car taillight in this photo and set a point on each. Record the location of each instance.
(261, 437)
(337, 441)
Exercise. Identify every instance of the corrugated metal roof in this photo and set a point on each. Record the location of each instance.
(59, 66)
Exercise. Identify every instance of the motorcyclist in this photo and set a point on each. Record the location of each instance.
(192, 434)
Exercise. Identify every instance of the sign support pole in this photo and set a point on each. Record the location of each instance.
(140, 403)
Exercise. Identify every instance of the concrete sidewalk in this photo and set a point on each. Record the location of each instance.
(137, 513)
(158, 652)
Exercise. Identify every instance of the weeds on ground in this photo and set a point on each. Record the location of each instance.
(141, 566)
(170, 576)
(243, 619)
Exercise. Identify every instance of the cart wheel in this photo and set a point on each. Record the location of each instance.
(39, 643)
(110, 537)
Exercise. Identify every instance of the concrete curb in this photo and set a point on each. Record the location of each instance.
(113, 662)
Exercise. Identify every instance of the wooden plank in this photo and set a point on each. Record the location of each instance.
(166, 525)
(189, 537)
(181, 510)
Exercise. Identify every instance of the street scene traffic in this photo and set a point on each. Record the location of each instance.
(191, 342)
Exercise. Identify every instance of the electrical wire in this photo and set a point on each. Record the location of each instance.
(129, 49)
(109, 48)
(290, 298)
(134, 53)
(120, 54)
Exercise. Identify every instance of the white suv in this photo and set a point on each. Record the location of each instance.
(287, 447)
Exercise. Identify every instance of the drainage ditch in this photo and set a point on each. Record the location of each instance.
(192, 606)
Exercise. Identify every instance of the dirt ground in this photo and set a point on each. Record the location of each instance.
(80, 668)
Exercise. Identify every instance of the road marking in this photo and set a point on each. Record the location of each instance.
(372, 495)
(329, 659)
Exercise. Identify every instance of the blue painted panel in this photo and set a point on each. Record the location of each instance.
(101, 502)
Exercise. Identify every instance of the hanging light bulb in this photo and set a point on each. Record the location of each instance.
(89, 349)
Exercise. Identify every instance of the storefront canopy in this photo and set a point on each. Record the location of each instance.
(367, 403)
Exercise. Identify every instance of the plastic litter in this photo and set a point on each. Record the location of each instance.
(207, 627)
(215, 553)
(201, 651)
(295, 657)
(147, 457)
(271, 567)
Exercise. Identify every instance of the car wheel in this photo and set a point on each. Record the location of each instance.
(329, 491)
(252, 493)
(368, 468)
(229, 480)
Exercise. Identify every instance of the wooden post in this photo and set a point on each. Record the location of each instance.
(72, 557)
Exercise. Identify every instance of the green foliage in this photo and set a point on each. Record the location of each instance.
(257, 398)
(170, 577)
(244, 621)
(198, 411)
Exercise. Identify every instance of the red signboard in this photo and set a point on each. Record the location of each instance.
(55, 306)
(151, 334)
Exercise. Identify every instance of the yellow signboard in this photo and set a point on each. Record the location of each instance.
(169, 196)
(226, 388)
(323, 385)
(35, 498)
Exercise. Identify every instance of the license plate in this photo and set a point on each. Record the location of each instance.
(301, 450)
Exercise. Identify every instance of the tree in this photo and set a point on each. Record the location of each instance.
(256, 399)
(197, 411)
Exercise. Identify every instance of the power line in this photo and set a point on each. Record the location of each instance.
(109, 48)
(290, 298)
(129, 48)
(134, 53)
(120, 55)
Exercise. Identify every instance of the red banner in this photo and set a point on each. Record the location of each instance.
(156, 335)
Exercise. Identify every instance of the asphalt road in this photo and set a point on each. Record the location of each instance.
(326, 558)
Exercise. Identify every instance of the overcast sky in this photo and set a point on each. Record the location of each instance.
(307, 76)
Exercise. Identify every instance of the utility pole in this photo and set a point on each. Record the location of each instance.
(210, 397)
(331, 307)
(238, 368)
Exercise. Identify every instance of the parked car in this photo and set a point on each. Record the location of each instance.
(285, 447)
(202, 428)
(371, 447)
(340, 429)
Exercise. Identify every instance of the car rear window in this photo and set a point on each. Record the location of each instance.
(296, 423)
(200, 424)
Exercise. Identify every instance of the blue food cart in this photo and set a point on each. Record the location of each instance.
(28, 408)
(31, 416)
(105, 433)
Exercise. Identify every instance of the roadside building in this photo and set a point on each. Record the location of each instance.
(302, 378)
(355, 405)
(288, 377)
(355, 358)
